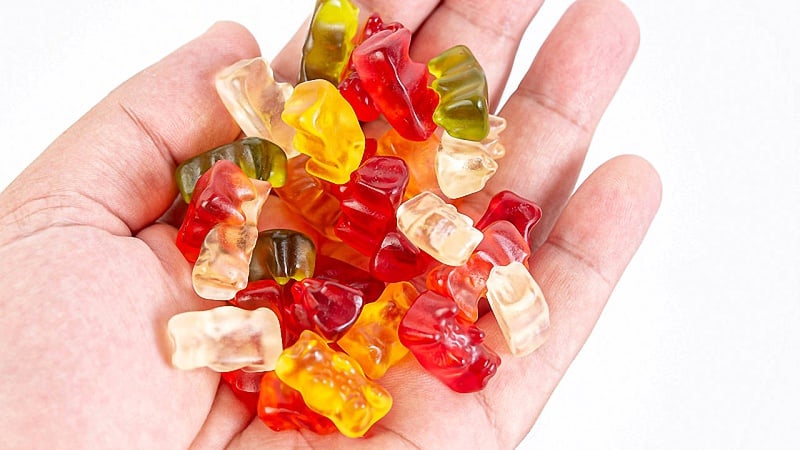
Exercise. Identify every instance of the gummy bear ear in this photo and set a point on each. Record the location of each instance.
(119, 158)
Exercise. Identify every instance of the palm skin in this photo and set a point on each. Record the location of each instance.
(90, 278)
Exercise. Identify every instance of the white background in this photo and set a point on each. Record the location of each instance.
(698, 347)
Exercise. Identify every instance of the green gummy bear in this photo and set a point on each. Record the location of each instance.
(329, 41)
(258, 158)
(282, 255)
(463, 109)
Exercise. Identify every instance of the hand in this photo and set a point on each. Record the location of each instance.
(90, 278)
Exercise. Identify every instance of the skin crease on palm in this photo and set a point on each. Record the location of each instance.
(90, 278)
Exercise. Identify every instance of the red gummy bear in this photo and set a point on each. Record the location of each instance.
(351, 87)
(502, 244)
(369, 202)
(217, 198)
(325, 307)
(446, 345)
(327, 268)
(282, 408)
(398, 85)
(506, 205)
(268, 293)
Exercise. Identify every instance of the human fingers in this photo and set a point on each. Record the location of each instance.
(114, 168)
(490, 30)
(554, 112)
(577, 268)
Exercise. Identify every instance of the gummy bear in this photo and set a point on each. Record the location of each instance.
(326, 307)
(329, 40)
(332, 269)
(419, 156)
(438, 229)
(258, 158)
(333, 384)
(306, 196)
(373, 340)
(506, 205)
(225, 339)
(398, 85)
(397, 259)
(351, 87)
(255, 101)
(463, 109)
(466, 284)
(463, 171)
(282, 408)
(519, 307)
(282, 255)
(369, 202)
(223, 194)
(327, 130)
(223, 263)
(446, 345)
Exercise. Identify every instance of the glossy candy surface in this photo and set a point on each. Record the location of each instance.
(446, 345)
(506, 205)
(333, 384)
(282, 408)
(326, 307)
(329, 40)
(282, 255)
(373, 340)
(255, 101)
(225, 339)
(466, 284)
(223, 263)
(519, 306)
(398, 85)
(438, 229)
(225, 195)
(369, 202)
(351, 87)
(305, 195)
(327, 130)
(328, 268)
(419, 156)
(463, 109)
(258, 158)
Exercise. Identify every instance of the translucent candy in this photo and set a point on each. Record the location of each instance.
(438, 229)
(420, 156)
(464, 94)
(333, 384)
(464, 167)
(282, 255)
(466, 284)
(327, 130)
(306, 196)
(255, 100)
(223, 267)
(329, 40)
(225, 339)
(373, 340)
(519, 307)
(464, 170)
(447, 345)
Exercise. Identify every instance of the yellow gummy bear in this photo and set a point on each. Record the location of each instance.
(328, 130)
(373, 340)
(333, 384)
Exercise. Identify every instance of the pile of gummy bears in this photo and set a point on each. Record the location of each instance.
(303, 336)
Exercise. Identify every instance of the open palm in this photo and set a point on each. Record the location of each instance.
(89, 279)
